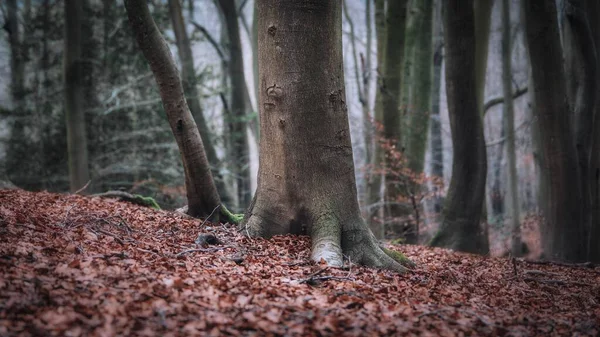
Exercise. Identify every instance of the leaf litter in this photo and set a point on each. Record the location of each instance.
(78, 266)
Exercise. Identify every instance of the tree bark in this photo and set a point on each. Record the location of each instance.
(436, 144)
(374, 214)
(188, 79)
(460, 228)
(303, 115)
(509, 126)
(239, 111)
(73, 78)
(421, 95)
(581, 79)
(201, 192)
(392, 117)
(562, 230)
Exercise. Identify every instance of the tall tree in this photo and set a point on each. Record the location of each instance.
(509, 126)
(375, 178)
(436, 145)
(392, 76)
(563, 230)
(460, 228)
(201, 192)
(73, 78)
(581, 80)
(304, 115)
(188, 78)
(239, 110)
(483, 14)
(418, 121)
(594, 174)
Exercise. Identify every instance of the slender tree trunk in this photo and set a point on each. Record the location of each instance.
(392, 117)
(202, 194)
(237, 121)
(483, 11)
(374, 196)
(73, 78)
(460, 228)
(421, 95)
(188, 79)
(581, 79)
(436, 144)
(413, 23)
(304, 115)
(562, 230)
(509, 126)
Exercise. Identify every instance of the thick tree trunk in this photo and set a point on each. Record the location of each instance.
(563, 230)
(188, 79)
(73, 78)
(306, 178)
(421, 95)
(374, 196)
(483, 14)
(201, 191)
(436, 144)
(392, 117)
(509, 126)
(460, 229)
(581, 76)
(237, 121)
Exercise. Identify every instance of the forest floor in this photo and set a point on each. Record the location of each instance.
(80, 266)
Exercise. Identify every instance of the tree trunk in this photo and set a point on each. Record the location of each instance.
(581, 80)
(594, 173)
(562, 230)
(201, 192)
(392, 117)
(460, 228)
(237, 121)
(188, 79)
(421, 95)
(304, 115)
(437, 149)
(374, 196)
(483, 11)
(73, 78)
(509, 120)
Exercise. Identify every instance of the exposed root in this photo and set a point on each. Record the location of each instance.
(401, 258)
(327, 250)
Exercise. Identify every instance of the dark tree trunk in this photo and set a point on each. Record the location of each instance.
(188, 78)
(392, 77)
(594, 173)
(73, 78)
(460, 229)
(201, 191)
(306, 178)
(436, 144)
(562, 230)
(374, 214)
(239, 110)
(581, 76)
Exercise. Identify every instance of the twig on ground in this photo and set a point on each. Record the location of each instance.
(562, 264)
(555, 282)
(83, 188)
(116, 237)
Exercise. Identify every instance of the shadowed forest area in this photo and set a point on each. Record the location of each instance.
(309, 167)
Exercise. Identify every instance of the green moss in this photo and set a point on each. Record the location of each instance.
(227, 216)
(146, 201)
(401, 258)
(398, 241)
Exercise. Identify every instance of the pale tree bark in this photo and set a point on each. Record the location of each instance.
(436, 144)
(201, 192)
(73, 78)
(509, 126)
(239, 109)
(460, 228)
(594, 232)
(413, 18)
(392, 117)
(374, 196)
(188, 79)
(581, 79)
(304, 115)
(562, 228)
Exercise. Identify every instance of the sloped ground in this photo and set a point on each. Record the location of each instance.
(79, 266)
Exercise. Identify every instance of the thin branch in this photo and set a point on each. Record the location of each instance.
(500, 99)
(210, 39)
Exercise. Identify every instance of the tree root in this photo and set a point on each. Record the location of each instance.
(132, 198)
